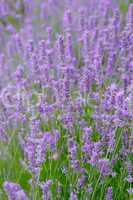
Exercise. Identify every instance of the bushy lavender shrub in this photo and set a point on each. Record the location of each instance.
(66, 112)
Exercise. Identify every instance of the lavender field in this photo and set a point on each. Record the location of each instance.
(66, 100)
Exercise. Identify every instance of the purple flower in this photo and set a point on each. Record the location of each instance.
(45, 189)
(73, 196)
(90, 189)
(87, 134)
(3, 135)
(130, 191)
(14, 191)
(109, 195)
(104, 166)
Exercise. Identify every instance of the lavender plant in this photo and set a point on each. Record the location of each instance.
(66, 113)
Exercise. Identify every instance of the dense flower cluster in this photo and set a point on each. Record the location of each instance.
(14, 191)
(66, 113)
